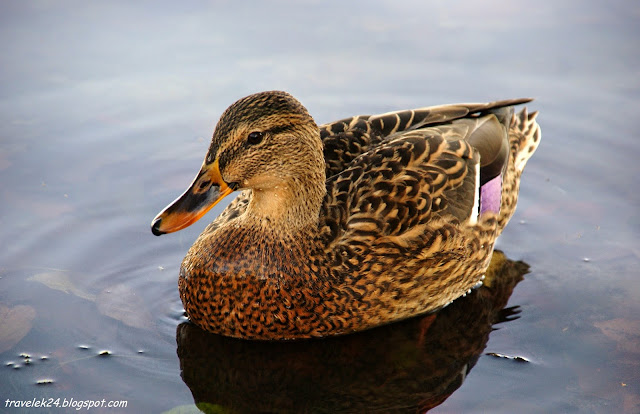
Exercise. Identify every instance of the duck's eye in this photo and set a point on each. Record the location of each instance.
(255, 138)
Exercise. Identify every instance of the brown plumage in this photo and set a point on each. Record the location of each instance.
(386, 225)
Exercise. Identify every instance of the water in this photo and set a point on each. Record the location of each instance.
(105, 115)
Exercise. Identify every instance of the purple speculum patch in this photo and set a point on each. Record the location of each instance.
(490, 195)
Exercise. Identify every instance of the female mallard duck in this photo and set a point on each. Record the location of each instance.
(397, 218)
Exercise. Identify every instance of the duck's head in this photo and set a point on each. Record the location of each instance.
(266, 142)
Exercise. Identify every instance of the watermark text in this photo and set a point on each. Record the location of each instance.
(65, 403)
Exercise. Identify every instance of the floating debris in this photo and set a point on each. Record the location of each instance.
(512, 358)
(104, 353)
(85, 347)
(586, 259)
(45, 381)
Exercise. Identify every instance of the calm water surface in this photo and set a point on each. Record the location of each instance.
(105, 115)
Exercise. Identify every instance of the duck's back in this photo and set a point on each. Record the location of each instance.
(348, 138)
(503, 141)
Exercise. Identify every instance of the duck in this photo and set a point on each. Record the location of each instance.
(349, 225)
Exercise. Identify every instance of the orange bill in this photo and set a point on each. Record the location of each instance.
(206, 190)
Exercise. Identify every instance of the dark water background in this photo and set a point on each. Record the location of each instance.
(106, 110)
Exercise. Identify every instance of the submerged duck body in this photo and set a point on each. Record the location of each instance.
(349, 225)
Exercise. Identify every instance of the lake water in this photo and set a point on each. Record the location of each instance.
(106, 110)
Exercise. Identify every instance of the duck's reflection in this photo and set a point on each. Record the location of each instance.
(409, 366)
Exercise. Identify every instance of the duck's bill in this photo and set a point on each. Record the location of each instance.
(206, 190)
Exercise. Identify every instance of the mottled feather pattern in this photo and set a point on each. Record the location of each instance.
(524, 138)
(397, 186)
(394, 237)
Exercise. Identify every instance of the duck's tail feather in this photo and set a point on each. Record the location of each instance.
(524, 138)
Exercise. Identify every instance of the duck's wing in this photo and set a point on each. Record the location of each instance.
(416, 179)
(348, 138)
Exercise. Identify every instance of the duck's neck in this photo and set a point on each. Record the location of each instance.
(291, 206)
